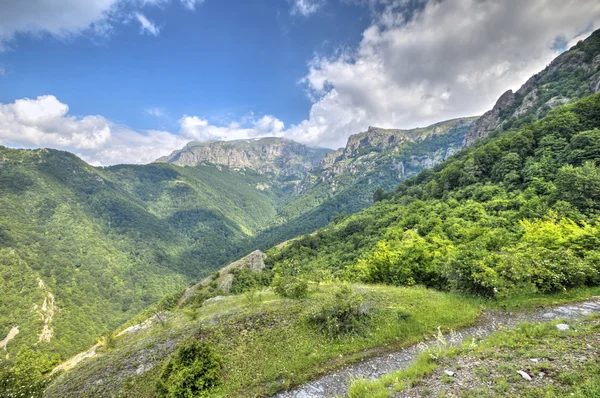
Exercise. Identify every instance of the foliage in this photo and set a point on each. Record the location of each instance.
(346, 312)
(192, 372)
(516, 212)
(245, 280)
(288, 283)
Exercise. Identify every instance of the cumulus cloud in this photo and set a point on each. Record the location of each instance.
(195, 128)
(67, 18)
(422, 62)
(305, 7)
(45, 122)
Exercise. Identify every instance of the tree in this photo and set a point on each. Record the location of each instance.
(379, 195)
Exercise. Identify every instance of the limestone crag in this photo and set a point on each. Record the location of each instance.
(282, 157)
(254, 261)
(375, 147)
(572, 75)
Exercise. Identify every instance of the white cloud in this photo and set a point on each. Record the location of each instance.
(305, 7)
(195, 128)
(191, 4)
(155, 111)
(146, 26)
(67, 18)
(45, 122)
(453, 58)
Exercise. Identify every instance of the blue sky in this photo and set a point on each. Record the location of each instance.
(221, 61)
(130, 80)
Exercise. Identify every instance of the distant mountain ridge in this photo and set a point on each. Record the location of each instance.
(265, 155)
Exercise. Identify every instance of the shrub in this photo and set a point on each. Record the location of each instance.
(290, 286)
(347, 312)
(193, 371)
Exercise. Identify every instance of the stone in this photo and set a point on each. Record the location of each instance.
(542, 374)
(524, 375)
(213, 299)
(534, 360)
(449, 373)
(562, 327)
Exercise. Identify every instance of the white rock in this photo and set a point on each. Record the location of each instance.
(534, 360)
(542, 374)
(562, 327)
(524, 375)
(449, 373)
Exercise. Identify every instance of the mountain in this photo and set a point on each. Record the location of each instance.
(512, 215)
(572, 75)
(406, 151)
(282, 157)
(83, 249)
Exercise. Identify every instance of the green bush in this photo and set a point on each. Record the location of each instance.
(346, 312)
(193, 371)
(290, 286)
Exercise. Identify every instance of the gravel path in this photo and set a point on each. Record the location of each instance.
(337, 382)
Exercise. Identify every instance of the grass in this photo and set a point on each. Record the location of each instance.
(267, 343)
(269, 346)
(532, 300)
(569, 362)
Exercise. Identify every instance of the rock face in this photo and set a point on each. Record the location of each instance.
(254, 261)
(265, 155)
(384, 147)
(572, 75)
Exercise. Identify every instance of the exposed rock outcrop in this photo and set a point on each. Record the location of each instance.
(581, 64)
(280, 156)
(254, 261)
(366, 150)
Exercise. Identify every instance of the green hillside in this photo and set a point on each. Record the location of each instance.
(515, 212)
(85, 249)
(108, 242)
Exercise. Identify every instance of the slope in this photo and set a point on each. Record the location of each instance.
(104, 243)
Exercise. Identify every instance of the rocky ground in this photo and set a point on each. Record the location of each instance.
(338, 382)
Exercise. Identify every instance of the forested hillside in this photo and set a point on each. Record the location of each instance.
(517, 211)
(510, 221)
(105, 243)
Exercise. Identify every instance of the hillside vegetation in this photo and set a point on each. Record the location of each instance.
(515, 212)
(107, 243)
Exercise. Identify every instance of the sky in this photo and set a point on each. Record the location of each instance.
(128, 81)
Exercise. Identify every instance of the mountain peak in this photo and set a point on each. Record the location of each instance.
(572, 75)
(265, 155)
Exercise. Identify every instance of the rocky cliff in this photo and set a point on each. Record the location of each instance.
(398, 151)
(280, 156)
(572, 75)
